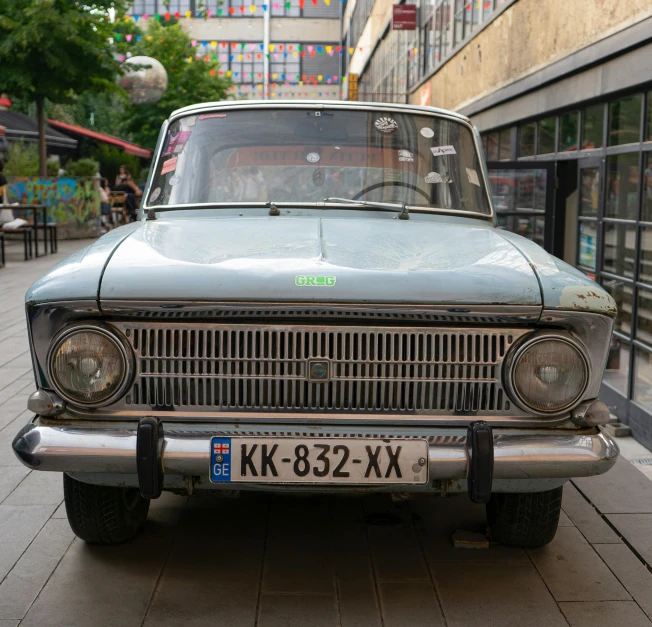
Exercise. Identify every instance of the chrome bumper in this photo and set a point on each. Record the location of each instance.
(111, 448)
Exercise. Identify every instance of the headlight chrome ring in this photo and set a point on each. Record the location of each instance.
(546, 374)
(89, 365)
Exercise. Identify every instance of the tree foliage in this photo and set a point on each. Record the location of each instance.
(189, 80)
(53, 49)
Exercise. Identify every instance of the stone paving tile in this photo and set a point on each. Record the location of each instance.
(10, 477)
(299, 550)
(23, 584)
(305, 610)
(637, 529)
(437, 519)
(636, 578)
(61, 512)
(9, 623)
(568, 560)
(14, 406)
(508, 595)
(622, 490)
(358, 603)
(39, 488)
(106, 586)
(604, 614)
(213, 570)
(394, 543)
(412, 603)
(18, 527)
(564, 520)
(586, 518)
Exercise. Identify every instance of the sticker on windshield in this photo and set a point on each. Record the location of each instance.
(176, 143)
(313, 157)
(405, 155)
(427, 132)
(434, 177)
(386, 125)
(191, 121)
(473, 177)
(438, 151)
(208, 116)
(175, 180)
(155, 194)
(312, 280)
(169, 165)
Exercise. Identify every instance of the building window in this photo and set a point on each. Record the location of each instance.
(647, 186)
(625, 120)
(622, 186)
(492, 146)
(619, 249)
(526, 133)
(621, 292)
(648, 117)
(645, 256)
(284, 8)
(284, 64)
(547, 133)
(617, 370)
(569, 124)
(643, 378)
(505, 149)
(593, 127)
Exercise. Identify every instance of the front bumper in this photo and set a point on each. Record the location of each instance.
(110, 447)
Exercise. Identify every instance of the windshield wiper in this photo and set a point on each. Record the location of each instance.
(404, 215)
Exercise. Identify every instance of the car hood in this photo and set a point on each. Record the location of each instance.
(370, 260)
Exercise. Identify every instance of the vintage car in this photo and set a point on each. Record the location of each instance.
(316, 298)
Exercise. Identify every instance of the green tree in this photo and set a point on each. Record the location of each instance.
(53, 49)
(189, 82)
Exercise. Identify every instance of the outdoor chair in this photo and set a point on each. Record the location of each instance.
(26, 231)
(118, 202)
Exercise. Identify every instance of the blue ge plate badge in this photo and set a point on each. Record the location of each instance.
(220, 460)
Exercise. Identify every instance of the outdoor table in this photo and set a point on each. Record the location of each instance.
(43, 210)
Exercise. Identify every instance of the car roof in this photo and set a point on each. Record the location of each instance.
(302, 104)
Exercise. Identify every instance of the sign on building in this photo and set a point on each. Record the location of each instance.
(353, 86)
(404, 17)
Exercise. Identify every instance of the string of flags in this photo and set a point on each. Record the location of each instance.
(203, 13)
(287, 50)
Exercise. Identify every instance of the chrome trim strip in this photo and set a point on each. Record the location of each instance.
(111, 448)
(472, 314)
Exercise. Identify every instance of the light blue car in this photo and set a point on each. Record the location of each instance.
(316, 298)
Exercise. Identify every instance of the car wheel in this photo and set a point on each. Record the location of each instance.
(528, 520)
(104, 514)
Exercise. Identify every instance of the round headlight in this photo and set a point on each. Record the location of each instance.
(549, 375)
(88, 366)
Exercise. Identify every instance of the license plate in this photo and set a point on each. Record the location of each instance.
(318, 460)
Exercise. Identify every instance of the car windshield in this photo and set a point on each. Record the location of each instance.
(309, 155)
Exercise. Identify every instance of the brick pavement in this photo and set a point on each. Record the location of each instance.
(307, 562)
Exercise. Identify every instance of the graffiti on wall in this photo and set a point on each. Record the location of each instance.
(74, 201)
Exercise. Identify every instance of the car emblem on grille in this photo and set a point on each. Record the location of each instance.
(319, 370)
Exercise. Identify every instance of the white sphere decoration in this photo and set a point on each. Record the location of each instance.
(145, 85)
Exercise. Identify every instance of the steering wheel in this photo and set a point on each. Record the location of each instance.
(390, 184)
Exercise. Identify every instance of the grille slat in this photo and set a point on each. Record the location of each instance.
(258, 367)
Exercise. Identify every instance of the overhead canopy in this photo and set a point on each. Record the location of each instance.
(20, 126)
(128, 147)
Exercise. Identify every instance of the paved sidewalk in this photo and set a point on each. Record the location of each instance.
(305, 562)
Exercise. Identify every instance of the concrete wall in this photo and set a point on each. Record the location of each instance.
(529, 35)
(282, 29)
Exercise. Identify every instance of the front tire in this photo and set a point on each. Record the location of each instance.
(104, 514)
(527, 520)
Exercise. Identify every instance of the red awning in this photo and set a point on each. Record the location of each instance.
(128, 147)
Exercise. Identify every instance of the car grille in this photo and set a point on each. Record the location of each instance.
(266, 368)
